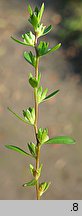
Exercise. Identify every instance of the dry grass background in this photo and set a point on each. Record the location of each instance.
(62, 115)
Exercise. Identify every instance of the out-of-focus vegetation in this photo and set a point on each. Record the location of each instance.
(70, 31)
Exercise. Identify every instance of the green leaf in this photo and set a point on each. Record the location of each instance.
(39, 93)
(52, 94)
(20, 42)
(30, 10)
(33, 82)
(30, 58)
(29, 115)
(31, 169)
(39, 78)
(17, 115)
(32, 149)
(42, 48)
(42, 135)
(31, 183)
(34, 20)
(60, 140)
(40, 30)
(40, 169)
(54, 48)
(17, 149)
(29, 38)
(47, 30)
(44, 94)
(41, 12)
(43, 187)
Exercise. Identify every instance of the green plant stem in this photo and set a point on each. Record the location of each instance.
(36, 117)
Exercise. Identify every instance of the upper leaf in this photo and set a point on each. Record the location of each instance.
(60, 140)
(18, 41)
(51, 95)
(43, 48)
(30, 10)
(41, 12)
(35, 16)
(30, 58)
(40, 30)
(29, 39)
(54, 48)
(17, 149)
(47, 30)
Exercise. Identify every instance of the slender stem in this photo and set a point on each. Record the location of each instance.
(36, 117)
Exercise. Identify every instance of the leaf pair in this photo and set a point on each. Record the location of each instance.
(29, 115)
(33, 182)
(43, 48)
(42, 187)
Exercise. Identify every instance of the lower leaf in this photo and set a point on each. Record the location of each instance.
(31, 183)
(17, 149)
(60, 140)
(16, 115)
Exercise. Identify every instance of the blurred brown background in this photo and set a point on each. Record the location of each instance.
(62, 115)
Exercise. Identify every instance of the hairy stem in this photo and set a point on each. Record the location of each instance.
(36, 117)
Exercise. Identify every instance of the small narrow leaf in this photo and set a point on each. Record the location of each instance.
(52, 94)
(30, 58)
(32, 149)
(31, 183)
(60, 140)
(17, 149)
(30, 10)
(17, 115)
(43, 96)
(41, 12)
(54, 48)
(18, 41)
(31, 169)
(39, 78)
(47, 30)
